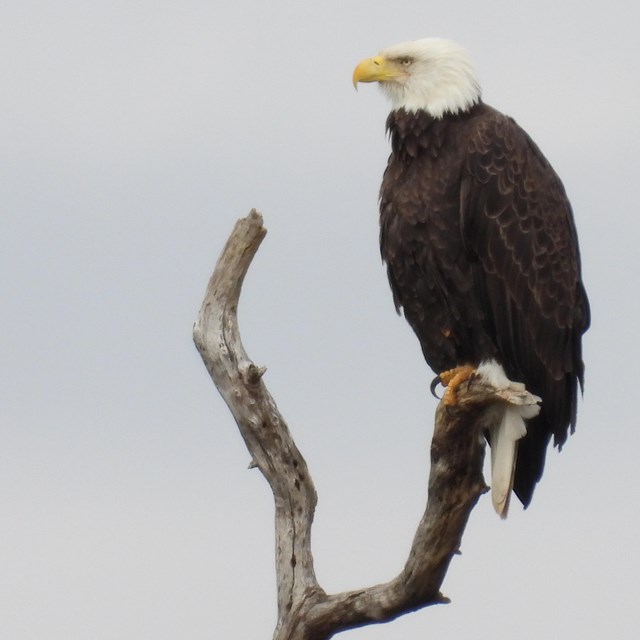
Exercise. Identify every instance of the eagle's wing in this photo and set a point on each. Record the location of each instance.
(518, 228)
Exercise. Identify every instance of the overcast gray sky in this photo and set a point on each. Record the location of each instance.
(134, 133)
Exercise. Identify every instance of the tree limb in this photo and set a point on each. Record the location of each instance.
(305, 611)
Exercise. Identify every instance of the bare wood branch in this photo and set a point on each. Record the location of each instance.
(264, 430)
(305, 611)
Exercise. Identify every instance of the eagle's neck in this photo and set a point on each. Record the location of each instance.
(414, 132)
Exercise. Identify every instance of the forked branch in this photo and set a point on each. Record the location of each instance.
(305, 611)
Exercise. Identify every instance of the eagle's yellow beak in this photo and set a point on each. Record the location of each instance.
(377, 69)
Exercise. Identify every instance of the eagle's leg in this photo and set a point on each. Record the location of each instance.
(453, 378)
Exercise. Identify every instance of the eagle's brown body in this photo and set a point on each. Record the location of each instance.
(482, 256)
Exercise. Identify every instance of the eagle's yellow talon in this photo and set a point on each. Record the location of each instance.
(452, 379)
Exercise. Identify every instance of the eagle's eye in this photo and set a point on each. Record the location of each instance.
(405, 62)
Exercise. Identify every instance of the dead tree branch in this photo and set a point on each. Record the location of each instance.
(305, 611)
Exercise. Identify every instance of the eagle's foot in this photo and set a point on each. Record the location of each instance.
(452, 379)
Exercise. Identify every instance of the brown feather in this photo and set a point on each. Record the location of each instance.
(482, 256)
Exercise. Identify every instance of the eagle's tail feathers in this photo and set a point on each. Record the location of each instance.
(504, 438)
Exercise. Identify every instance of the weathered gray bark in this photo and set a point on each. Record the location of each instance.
(305, 611)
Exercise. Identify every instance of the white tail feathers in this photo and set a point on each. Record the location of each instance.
(504, 446)
(506, 427)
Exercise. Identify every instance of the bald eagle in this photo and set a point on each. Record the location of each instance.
(481, 251)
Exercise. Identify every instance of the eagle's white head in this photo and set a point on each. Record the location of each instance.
(432, 74)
